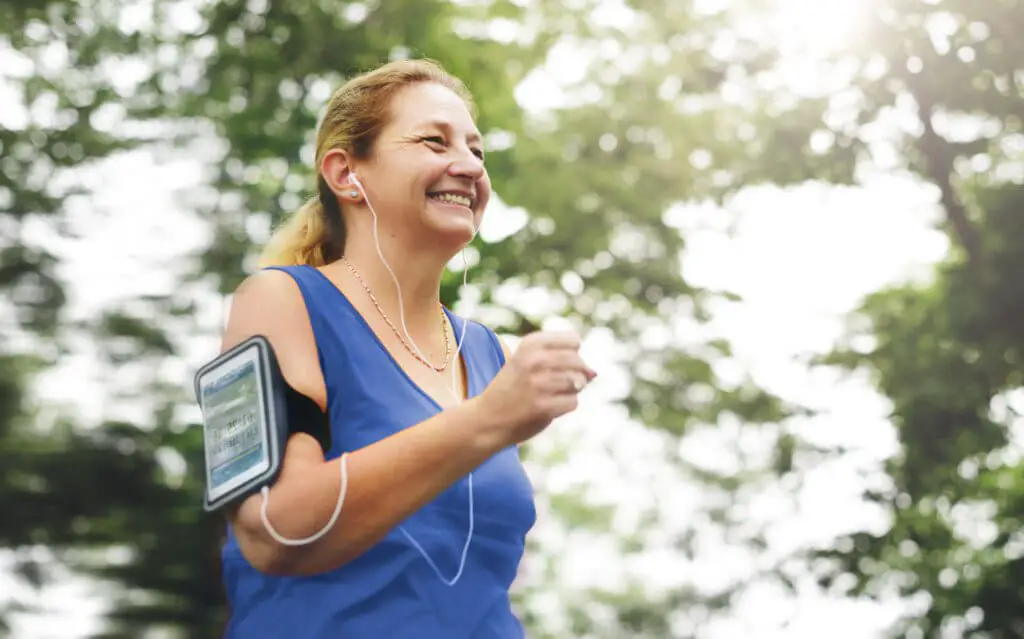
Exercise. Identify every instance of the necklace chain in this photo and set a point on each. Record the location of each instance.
(401, 338)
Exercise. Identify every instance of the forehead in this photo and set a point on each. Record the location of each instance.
(429, 104)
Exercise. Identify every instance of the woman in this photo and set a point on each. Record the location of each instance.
(426, 409)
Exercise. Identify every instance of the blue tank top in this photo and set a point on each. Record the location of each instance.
(390, 591)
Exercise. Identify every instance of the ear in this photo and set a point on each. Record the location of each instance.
(335, 168)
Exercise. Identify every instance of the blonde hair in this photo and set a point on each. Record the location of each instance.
(315, 234)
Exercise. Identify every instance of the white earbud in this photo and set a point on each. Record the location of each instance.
(354, 181)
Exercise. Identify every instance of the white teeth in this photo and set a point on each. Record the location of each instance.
(454, 199)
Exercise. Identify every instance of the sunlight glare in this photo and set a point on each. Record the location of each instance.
(816, 27)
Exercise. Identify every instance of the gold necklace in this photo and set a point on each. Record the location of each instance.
(412, 351)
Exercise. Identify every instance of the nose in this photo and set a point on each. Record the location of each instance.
(467, 166)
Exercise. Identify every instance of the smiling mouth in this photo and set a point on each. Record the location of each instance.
(452, 199)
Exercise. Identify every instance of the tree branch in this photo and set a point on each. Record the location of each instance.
(939, 156)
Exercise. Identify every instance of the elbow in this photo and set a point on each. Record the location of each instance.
(278, 563)
(269, 557)
(274, 559)
(262, 552)
(284, 561)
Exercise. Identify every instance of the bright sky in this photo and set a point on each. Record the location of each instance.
(801, 259)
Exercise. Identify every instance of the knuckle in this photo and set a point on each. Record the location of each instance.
(525, 362)
(535, 362)
(536, 384)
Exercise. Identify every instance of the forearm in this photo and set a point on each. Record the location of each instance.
(387, 482)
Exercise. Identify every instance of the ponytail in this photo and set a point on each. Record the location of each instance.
(310, 236)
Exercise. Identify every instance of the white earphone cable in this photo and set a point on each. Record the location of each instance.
(323, 531)
(265, 492)
(458, 396)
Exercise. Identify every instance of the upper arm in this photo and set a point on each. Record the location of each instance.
(270, 304)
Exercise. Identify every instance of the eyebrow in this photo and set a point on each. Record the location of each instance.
(447, 127)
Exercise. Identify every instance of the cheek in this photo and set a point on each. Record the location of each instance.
(483, 191)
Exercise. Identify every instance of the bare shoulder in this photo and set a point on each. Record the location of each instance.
(269, 303)
(252, 299)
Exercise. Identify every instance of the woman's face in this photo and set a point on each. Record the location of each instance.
(426, 174)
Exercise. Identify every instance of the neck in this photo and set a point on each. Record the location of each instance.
(418, 273)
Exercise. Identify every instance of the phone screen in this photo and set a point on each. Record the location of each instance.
(236, 445)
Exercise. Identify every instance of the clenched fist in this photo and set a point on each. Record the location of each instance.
(538, 383)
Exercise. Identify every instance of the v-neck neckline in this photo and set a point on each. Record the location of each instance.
(462, 359)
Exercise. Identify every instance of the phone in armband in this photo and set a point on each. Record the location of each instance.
(249, 411)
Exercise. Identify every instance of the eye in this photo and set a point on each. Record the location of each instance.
(438, 141)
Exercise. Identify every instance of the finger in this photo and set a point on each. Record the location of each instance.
(564, 382)
(557, 339)
(556, 382)
(571, 361)
(564, 404)
(577, 381)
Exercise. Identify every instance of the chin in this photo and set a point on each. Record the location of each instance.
(455, 235)
(460, 227)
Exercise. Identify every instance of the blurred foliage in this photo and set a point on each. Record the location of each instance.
(947, 352)
(52, 93)
(648, 123)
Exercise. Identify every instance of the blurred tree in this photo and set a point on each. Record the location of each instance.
(647, 126)
(947, 353)
(54, 118)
